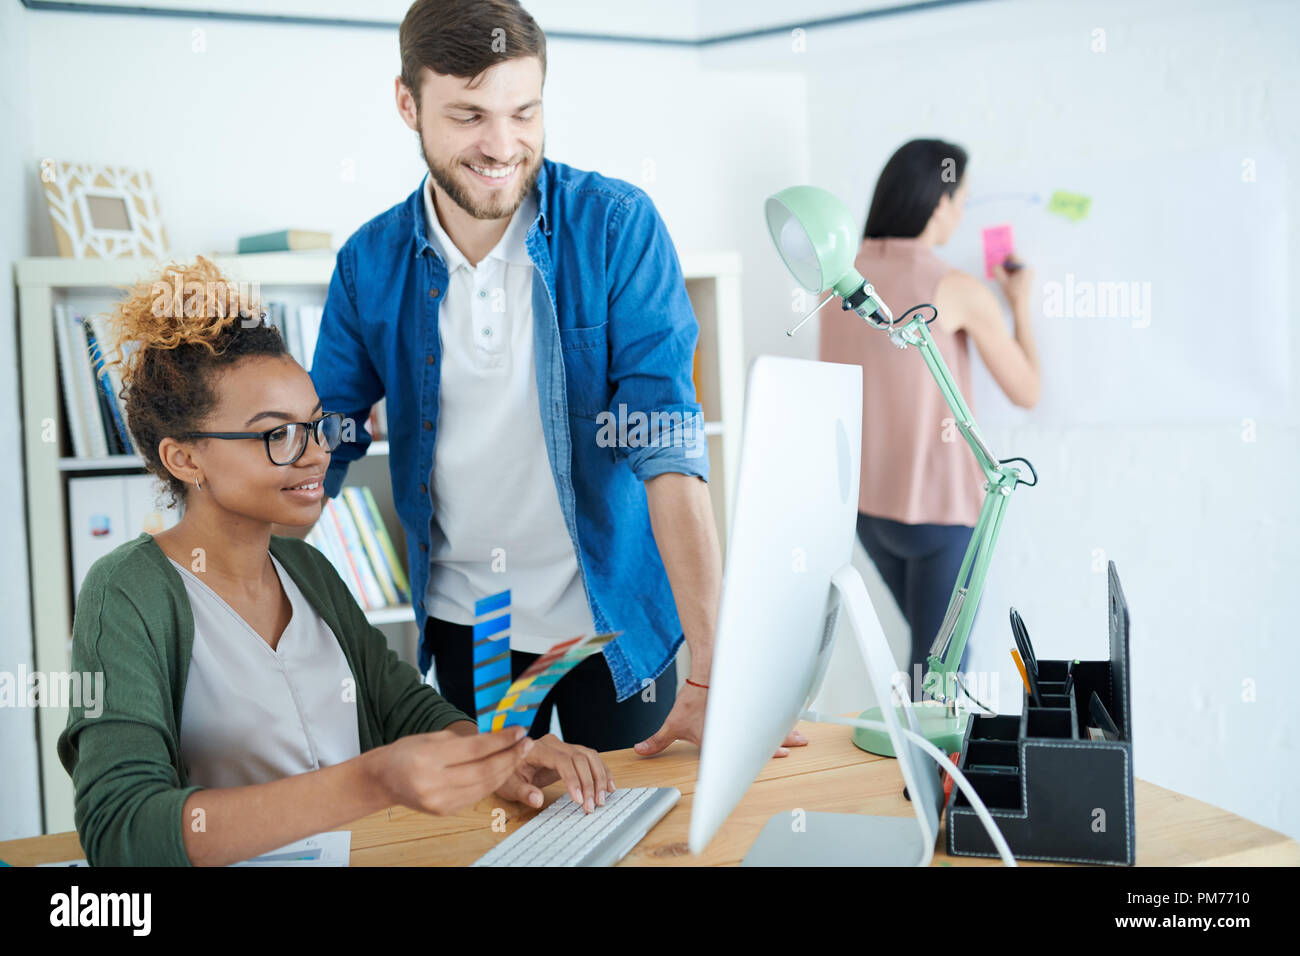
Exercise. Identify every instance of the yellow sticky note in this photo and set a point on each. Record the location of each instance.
(1073, 206)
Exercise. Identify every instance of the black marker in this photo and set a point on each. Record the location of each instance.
(1021, 634)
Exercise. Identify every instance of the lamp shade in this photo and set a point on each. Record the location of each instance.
(815, 237)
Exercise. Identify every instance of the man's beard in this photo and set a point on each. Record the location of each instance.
(445, 177)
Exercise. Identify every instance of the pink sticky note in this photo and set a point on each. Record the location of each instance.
(997, 246)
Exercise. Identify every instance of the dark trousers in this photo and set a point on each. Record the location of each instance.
(919, 563)
(590, 716)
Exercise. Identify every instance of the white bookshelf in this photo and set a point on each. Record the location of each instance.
(92, 285)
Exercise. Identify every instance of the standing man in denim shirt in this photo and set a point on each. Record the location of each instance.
(530, 327)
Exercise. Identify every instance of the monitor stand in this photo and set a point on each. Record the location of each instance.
(797, 838)
(838, 839)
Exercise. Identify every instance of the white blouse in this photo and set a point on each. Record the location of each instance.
(252, 714)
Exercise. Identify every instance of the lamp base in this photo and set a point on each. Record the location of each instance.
(946, 733)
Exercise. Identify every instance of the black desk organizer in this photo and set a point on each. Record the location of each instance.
(1064, 798)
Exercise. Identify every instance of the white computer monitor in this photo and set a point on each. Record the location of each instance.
(788, 573)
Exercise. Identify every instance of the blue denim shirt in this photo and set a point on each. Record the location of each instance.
(614, 339)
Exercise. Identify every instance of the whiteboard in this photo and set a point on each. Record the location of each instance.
(1166, 303)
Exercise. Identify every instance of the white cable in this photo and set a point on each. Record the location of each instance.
(999, 842)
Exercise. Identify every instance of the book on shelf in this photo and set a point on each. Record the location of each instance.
(695, 374)
(93, 437)
(309, 318)
(285, 240)
(69, 383)
(351, 534)
(357, 557)
(385, 544)
(90, 386)
(361, 519)
(275, 319)
(114, 428)
(91, 381)
(113, 369)
(299, 328)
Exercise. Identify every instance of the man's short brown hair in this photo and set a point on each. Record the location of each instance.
(465, 37)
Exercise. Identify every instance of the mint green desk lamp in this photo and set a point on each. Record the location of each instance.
(815, 236)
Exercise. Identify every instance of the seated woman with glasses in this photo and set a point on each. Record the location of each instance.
(247, 702)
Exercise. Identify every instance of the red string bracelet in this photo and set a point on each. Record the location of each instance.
(693, 684)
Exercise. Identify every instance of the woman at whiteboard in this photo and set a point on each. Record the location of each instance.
(921, 487)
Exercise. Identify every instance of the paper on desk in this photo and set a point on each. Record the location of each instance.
(332, 848)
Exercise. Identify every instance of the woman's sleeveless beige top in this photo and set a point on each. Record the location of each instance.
(916, 466)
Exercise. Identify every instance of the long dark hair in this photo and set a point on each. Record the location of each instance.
(910, 186)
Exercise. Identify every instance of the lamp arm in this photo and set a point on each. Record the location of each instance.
(917, 332)
(950, 642)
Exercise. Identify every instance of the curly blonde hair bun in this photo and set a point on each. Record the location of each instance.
(172, 333)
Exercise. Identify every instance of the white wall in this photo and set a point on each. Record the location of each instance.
(1200, 522)
(20, 808)
(666, 18)
(275, 115)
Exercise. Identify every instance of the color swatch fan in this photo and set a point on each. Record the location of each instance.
(521, 700)
(491, 650)
(500, 702)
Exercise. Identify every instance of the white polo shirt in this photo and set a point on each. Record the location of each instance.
(497, 521)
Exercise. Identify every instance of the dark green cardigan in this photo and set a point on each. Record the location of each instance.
(133, 623)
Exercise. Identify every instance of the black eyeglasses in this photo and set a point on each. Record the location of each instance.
(286, 443)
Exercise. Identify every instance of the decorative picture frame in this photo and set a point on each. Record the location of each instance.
(103, 212)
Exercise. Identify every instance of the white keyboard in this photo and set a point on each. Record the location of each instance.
(564, 835)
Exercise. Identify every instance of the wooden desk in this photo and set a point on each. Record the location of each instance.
(830, 774)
